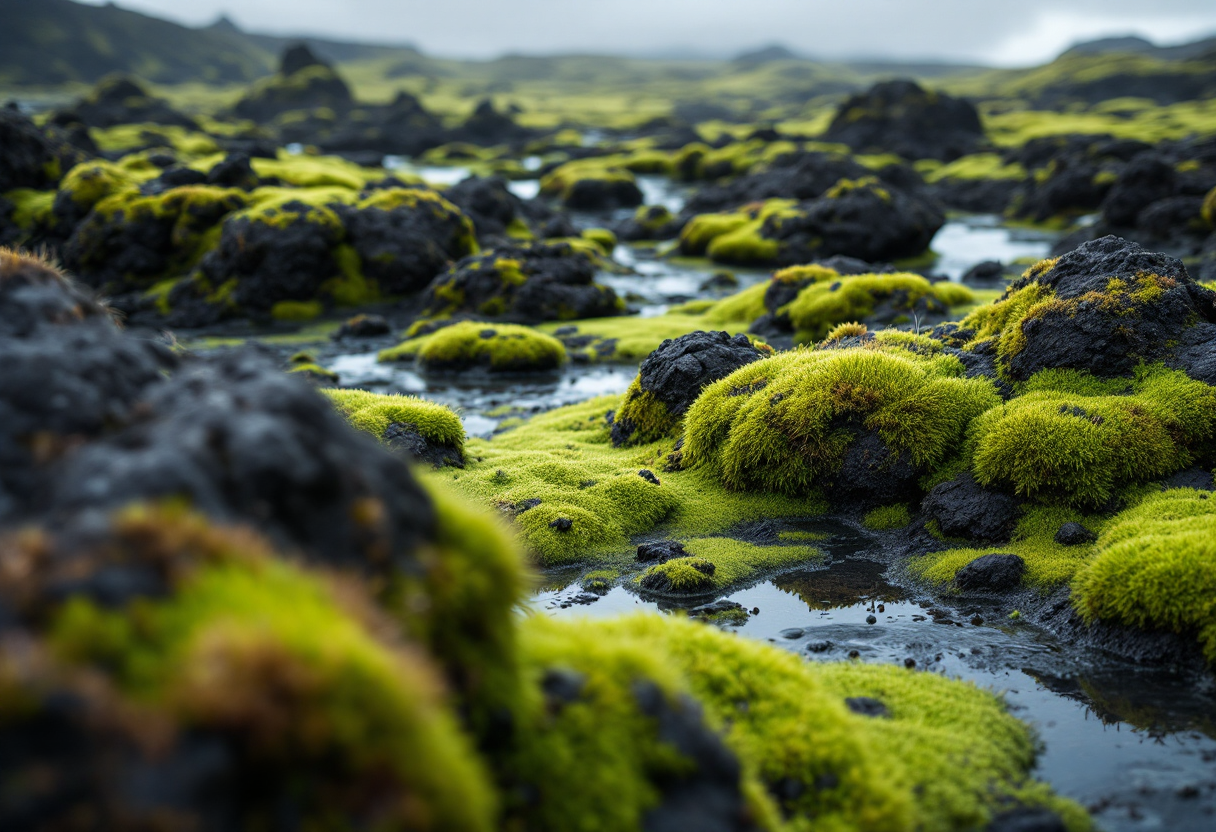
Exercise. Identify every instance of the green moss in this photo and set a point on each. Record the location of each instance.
(1209, 208)
(374, 412)
(1152, 568)
(561, 181)
(886, 518)
(126, 137)
(296, 310)
(1074, 440)
(497, 347)
(731, 563)
(90, 182)
(947, 757)
(256, 648)
(565, 459)
(822, 305)
(631, 339)
(304, 171)
(976, 166)
(604, 239)
(647, 416)
(775, 425)
(30, 208)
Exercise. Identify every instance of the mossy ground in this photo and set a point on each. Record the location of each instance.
(496, 347)
(947, 756)
(565, 459)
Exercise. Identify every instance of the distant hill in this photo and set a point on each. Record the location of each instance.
(58, 41)
(49, 42)
(1132, 45)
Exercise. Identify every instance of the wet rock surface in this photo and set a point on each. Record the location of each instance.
(962, 508)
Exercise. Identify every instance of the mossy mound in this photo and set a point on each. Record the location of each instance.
(592, 185)
(424, 430)
(791, 756)
(902, 117)
(1075, 440)
(527, 283)
(716, 563)
(862, 218)
(876, 299)
(1102, 308)
(303, 82)
(862, 422)
(499, 348)
(300, 677)
(1152, 568)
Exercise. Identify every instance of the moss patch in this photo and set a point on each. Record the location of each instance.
(503, 348)
(373, 413)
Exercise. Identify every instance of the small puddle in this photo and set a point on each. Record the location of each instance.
(967, 241)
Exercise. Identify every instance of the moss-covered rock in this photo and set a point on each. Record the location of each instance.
(864, 423)
(592, 185)
(1102, 308)
(31, 157)
(129, 241)
(1152, 568)
(499, 348)
(1072, 439)
(527, 283)
(420, 429)
(794, 757)
(118, 99)
(902, 117)
(861, 218)
(671, 378)
(303, 82)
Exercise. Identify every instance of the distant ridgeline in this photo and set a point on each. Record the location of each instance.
(48, 42)
(54, 42)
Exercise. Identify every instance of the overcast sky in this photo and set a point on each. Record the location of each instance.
(1005, 32)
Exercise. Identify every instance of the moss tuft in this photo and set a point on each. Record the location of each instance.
(373, 413)
(1153, 568)
(783, 424)
(886, 518)
(503, 348)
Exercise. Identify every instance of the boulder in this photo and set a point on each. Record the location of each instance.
(991, 573)
(904, 118)
(121, 100)
(962, 508)
(303, 82)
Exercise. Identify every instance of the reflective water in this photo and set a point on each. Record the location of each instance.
(1137, 747)
(965, 241)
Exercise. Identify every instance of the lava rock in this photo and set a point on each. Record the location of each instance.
(902, 117)
(363, 326)
(681, 368)
(31, 157)
(405, 439)
(871, 474)
(663, 550)
(561, 524)
(867, 706)
(1027, 819)
(1145, 180)
(1074, 534)
(996, 573)
(990, 271)
(558, 283)
(594, 194)
(121, 100)
(304, 82)
(801, 176)
(963, 508)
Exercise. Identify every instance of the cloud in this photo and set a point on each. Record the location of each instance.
(989, 31)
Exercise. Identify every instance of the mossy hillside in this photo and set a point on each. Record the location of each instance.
(960, 756)
(298, 672)
(1075, 440)
(731, 563)
(504, 348)
(823, 304)
(1152, 568)
(373, 413)
(565, 459)
(783, 423)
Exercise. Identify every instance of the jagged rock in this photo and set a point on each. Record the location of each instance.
(121, 100)
(1074, 534)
